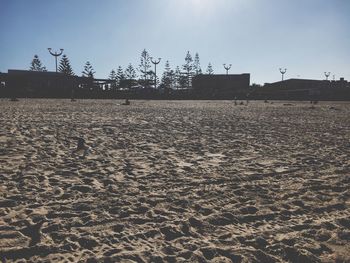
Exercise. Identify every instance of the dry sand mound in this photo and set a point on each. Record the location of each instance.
(174, 182)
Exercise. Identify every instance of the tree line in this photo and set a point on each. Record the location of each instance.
(172, 78)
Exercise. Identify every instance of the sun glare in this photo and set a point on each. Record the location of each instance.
(201, 3)
(201, 7)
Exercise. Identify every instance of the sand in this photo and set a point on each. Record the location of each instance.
(174, 181)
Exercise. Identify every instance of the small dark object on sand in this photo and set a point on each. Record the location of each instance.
(81, 144)
(72, 99)
(235, 101)
(266, 101)
(81, 147)
(127, 102)
(13, 99)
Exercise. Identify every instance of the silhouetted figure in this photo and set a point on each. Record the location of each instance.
(127, 102)
(33, 231)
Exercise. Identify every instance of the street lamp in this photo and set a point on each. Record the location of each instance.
(227, 68)
(327, 74)
(283, 71)
(155, 62)
(56, 55)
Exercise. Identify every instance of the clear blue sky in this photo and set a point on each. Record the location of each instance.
(307, 37)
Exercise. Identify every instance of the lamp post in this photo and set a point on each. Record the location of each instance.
(327, 74)
(155, 62)
(56, 55)
(283, 71)
(227, 68)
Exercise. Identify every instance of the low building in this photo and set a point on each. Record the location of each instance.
(25, 83)
(45, 84)
(210, 86)
(304, 89)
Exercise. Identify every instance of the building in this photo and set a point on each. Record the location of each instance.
(25, 83)
(304, 89)
(44, 84)
(209, 86)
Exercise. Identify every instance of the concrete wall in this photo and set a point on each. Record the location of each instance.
(221, 86)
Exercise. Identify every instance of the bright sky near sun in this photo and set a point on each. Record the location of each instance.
(308, 37)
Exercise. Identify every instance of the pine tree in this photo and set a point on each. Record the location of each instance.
(196, 65)
(145, 64)
(165, 76)
(130, 72)
(210, 70)
(120, 75)
(168, 77)
(177, 77)
(188, 68)
(36, 65)
(88, 70)
(180, 79)
(113, 77)
(65, 67)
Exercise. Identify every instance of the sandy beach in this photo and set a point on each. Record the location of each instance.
(174, 181)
